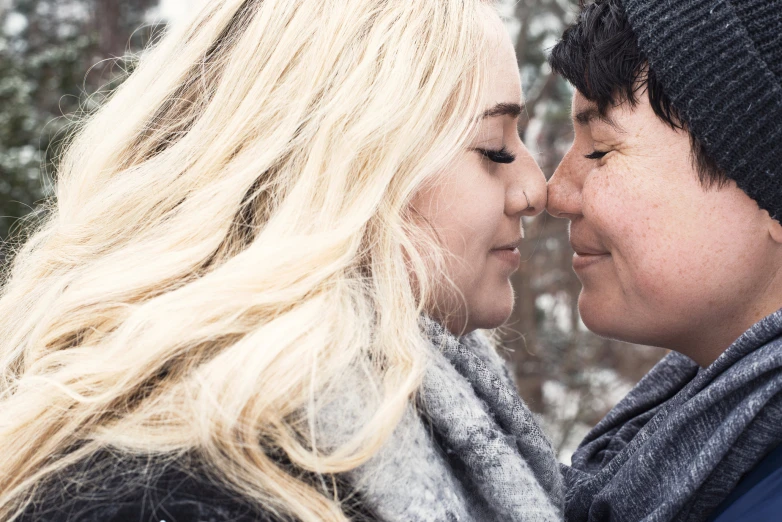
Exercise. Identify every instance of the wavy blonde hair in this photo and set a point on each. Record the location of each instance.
(231, 232)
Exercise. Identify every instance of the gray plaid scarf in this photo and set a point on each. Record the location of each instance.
(678, 444)
(470, 451)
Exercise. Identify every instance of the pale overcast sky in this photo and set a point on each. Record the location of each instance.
(177, 10)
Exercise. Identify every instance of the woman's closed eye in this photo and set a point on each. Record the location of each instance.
(596, 155)
(502, 155)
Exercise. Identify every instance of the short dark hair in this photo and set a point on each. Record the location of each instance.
(600, 56)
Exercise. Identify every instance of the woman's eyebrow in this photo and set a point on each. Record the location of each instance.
(504, 109)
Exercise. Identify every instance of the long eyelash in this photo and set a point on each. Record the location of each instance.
(503, 155)
(596, 155)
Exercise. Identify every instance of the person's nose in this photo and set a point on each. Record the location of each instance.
(526, 195)
(564, 189)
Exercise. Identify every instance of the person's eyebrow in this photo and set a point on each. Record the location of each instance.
(586, 116)
(504, 109)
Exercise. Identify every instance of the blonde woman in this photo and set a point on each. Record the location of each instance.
(256, 293)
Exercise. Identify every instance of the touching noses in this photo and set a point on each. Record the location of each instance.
(527, 194)
(564, 191)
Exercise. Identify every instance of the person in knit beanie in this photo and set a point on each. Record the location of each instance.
(673, 186)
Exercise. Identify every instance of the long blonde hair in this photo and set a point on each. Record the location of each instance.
(230, 233)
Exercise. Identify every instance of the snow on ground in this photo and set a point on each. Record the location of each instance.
(562, 423)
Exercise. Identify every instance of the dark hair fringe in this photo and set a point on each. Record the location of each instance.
(599, 55)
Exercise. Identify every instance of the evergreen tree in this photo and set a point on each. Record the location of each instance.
(53, 55)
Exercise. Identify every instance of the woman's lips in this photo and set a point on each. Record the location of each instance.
(509, 253)
(582, 261)
(588, 251)
(510, 256)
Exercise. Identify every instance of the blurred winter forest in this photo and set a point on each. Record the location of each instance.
(58, 62)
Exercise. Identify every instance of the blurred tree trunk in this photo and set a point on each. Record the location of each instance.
(524, 340)
(114, 21)
(106, 19)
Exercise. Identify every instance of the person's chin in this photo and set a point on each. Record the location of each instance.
(612, 318)
(597, 313)
(496, 311)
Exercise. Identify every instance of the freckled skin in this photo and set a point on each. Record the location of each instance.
(689, 268)
(477, 206)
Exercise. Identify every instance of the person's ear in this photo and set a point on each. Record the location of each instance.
(775, 229)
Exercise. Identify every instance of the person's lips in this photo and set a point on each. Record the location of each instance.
(509, 253)
(587, 255)
(515, 244)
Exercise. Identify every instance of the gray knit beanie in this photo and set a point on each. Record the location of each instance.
(720, 63)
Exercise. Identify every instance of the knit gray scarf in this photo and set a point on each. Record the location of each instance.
(470, 451)
(680, 441)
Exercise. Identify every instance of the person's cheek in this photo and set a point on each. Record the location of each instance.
(612, 223)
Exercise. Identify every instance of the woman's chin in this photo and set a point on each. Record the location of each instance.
(487, 310)
(494, 314)
(493, 320)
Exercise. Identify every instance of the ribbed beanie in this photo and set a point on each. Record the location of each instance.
(720, 64)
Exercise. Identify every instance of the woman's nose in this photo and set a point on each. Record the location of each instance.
(527, 193)
(564, 196)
